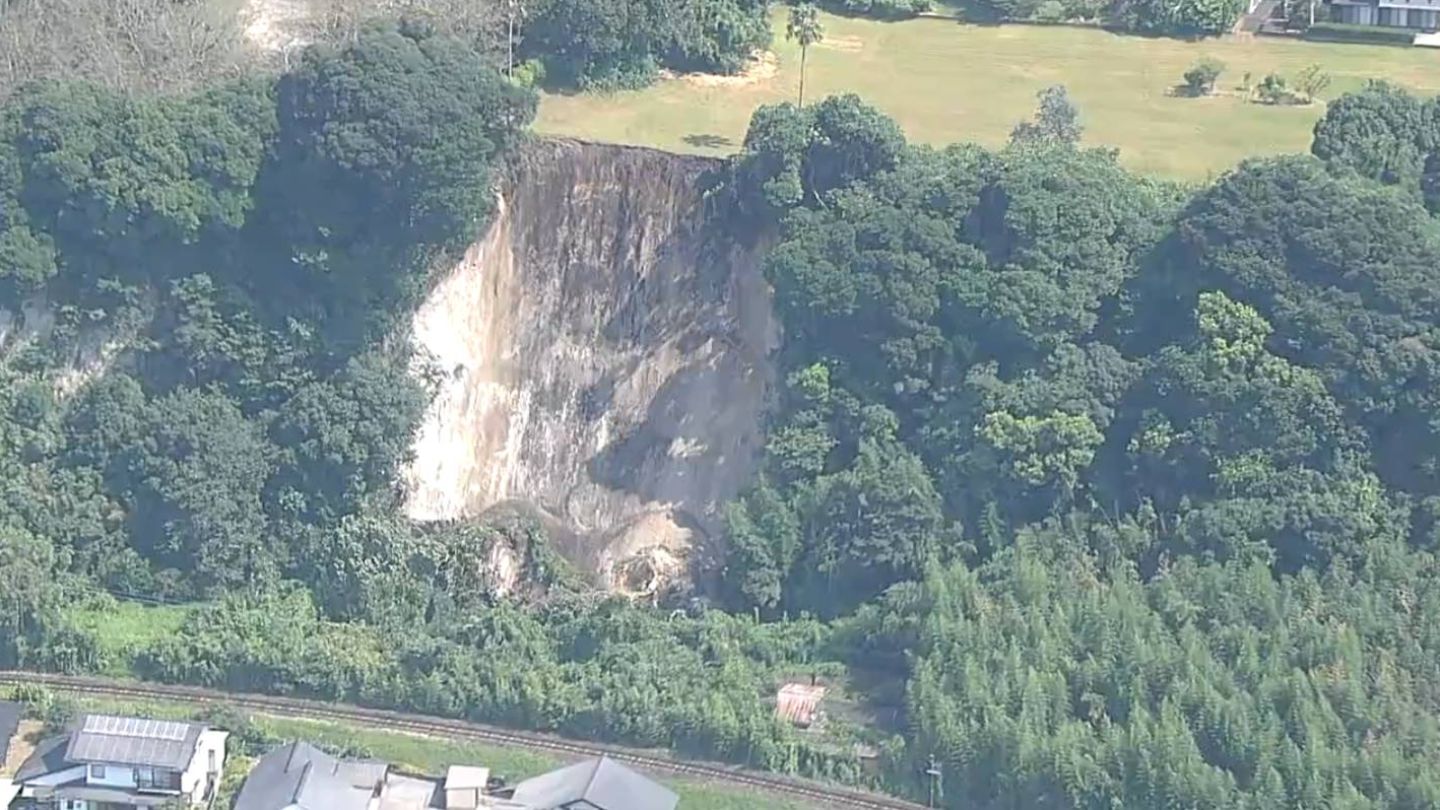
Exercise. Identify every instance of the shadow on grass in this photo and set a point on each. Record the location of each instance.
(708, 140)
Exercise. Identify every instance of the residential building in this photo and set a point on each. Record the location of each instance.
(1421, 15)
(299, 776)
(107, 762)
(595, 784)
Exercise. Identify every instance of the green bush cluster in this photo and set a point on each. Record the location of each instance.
(621, 44)
(1374, 34)
(608, 671)
(1186, 18)
(882, 9)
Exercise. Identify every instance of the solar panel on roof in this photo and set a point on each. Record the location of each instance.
(136, 727)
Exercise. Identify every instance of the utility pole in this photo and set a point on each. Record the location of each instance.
(934, 772)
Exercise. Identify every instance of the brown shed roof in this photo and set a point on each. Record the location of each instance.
(798, 703)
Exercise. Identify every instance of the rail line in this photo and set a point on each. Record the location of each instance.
(823, 795)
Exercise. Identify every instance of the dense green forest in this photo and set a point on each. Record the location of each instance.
(1133, 484)
(1099, 491)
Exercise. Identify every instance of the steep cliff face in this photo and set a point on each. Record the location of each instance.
(601, 357)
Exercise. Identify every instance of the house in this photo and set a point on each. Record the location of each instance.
(1420, 15)
(107, 762)
(594, 784)
(299, 776)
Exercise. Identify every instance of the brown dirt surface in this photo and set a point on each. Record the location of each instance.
(21, 746)
(761, 69)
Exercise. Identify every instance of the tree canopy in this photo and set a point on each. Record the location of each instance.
(611, 44)
(1084, 457)
(251, 242)
(1081, 489)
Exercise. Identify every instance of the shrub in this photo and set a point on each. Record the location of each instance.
(1311, 82)
(1051, 11)
(35, 698)
(1200, 78)
(1374, 34)
(621, 44)
(631, 74)
(530, 73)
(1274, 90)
(1084, 9)
(883, 9)
(245, 737)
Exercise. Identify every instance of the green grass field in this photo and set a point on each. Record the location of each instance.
(945, 81)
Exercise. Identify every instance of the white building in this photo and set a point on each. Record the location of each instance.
(123, 762)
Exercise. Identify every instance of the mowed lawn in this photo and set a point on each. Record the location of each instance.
(946, 81)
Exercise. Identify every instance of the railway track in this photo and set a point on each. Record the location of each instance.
(821, 795)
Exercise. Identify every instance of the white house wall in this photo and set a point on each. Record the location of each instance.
(192, 781)
(116, 776)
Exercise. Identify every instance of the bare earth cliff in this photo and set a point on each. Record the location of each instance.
(602, 360)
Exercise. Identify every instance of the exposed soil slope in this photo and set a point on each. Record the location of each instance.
(602, 357)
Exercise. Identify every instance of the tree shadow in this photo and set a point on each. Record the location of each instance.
(707, 140)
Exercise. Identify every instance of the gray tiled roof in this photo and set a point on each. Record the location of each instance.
(134, 741)
(111, 796)
(48, 757)
(603, 782)
(303, 776)
(10, 714)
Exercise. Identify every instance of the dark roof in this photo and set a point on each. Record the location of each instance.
(602, 782)
(134, 741)
(10, 714)
(48, 757)
(302, 775)
(111, 796)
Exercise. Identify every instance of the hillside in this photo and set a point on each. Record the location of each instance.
(1072, 486)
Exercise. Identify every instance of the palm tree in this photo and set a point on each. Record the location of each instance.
(804, 27)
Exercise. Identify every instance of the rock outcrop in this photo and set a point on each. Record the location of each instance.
(601, 356)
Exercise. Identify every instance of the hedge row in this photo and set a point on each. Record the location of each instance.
(1373, 34)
